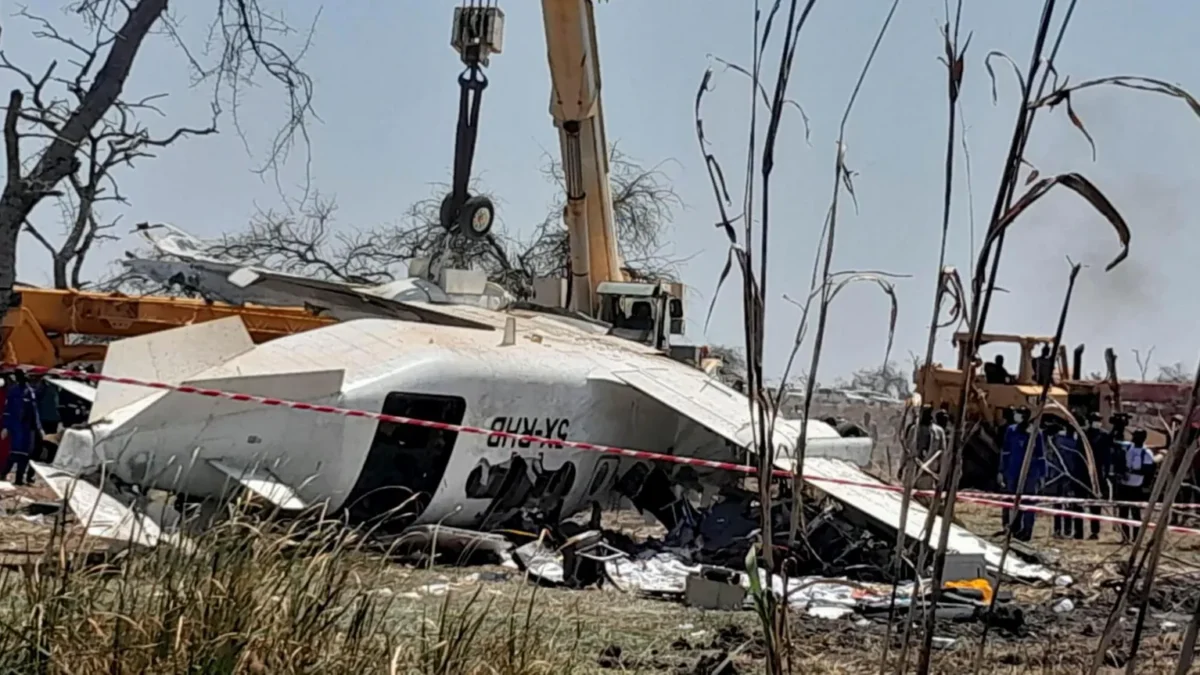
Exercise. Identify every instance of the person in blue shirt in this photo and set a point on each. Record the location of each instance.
(1132, 484)
(22, 425)
(1012, 456)
(1068, 478)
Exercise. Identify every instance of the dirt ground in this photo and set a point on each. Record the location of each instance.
(613, 632)
(606, 631)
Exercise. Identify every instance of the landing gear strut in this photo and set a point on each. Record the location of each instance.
(477, 34)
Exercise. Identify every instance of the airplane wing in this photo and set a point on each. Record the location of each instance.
(883, 506)
(237, 284)
(726, 412)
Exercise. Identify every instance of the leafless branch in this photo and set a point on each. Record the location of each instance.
(1143, 363)
(88, 129)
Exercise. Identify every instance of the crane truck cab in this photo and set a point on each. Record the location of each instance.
(648, 313)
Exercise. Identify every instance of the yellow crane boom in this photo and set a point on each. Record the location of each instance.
(36, 328)
(578, 112)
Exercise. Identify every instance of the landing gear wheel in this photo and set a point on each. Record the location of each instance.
(447, 214)
(476, 216)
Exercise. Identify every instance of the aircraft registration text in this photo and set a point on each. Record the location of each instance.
(545, 427)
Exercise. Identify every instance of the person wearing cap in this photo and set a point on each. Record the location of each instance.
(1139, 463)
(1012, 458)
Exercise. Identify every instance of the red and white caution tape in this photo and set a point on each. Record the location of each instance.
(970, 499)
(1004, 500)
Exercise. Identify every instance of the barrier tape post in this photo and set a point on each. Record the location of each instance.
(991, 499)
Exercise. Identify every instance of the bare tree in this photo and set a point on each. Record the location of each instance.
(304, 240)
(85, 134)
(117, 140)
(886, 379)
(1143, 363)
(1175, 372)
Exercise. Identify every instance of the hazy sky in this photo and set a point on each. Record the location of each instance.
(386, 93)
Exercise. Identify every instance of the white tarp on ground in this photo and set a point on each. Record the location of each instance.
(884, 507)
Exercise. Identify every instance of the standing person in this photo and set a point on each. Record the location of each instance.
(1075, 480)
(1009, 420)
(923, 440)
(21, 423)
(49, 419)
(1012, 457)
(1139, 463)
(942, 419)
(4, 441)
(1058, 477)
(1043, 367)
(1104, 453)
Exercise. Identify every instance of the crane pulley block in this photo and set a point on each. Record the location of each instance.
(478, 32)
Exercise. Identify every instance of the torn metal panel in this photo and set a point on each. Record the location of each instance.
(883, 506)
(262, 483)
(540, 562)
(100, 514)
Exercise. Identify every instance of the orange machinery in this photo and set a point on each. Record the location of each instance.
(37, 328)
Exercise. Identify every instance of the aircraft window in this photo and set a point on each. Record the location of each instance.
(600, 479)
(406, 463)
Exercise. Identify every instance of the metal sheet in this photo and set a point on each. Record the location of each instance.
(167, 356)
(83, 391)
(262, 483)
(884, 507)
(100, 514)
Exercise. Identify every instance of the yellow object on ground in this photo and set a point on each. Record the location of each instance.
(982, 585)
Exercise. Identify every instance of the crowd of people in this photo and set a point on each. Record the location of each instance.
(1058, 467)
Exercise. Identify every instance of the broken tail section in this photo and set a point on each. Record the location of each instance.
(171, 356)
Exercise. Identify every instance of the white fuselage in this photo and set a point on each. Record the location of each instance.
(537, 386)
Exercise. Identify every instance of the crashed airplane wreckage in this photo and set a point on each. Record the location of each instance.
(531, 374)
(455, 361)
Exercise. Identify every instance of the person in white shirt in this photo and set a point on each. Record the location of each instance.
(1139, 463)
